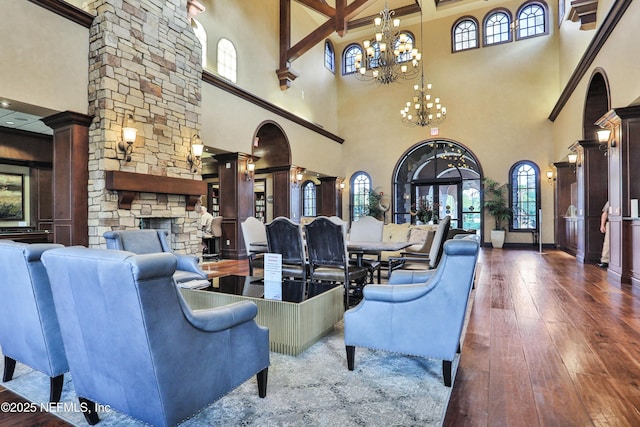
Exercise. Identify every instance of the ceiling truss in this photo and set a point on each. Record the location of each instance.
(340, 19)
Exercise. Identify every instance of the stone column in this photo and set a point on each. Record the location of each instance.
(144, 61)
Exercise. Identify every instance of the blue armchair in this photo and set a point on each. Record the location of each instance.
(153, 241)
(29, 331)
(422, 319)
(134, 344)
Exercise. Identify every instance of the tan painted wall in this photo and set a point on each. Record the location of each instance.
(620, 61)
(498, 99)
(44, 58)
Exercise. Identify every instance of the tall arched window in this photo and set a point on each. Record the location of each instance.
(524, 182)
(360, 187)
(532, 20)
(443, 174)
(465, 34)
(349, 58)
(497, 27)
(227, 60)
(329, 56)
(309, 199)
(201, 35)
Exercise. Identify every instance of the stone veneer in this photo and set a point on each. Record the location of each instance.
(144, 59)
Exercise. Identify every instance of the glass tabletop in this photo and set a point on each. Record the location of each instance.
(253, 287)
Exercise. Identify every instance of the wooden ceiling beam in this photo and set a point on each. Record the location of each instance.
(319, 6)
(315, 37)
(400, 12)
(339, 21)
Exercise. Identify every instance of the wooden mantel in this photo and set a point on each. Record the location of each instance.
(127, 184)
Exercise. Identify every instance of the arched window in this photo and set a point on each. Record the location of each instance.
(329, 56)
(465, 34)
(227, 60)
(444, 176)
(532, 20)
(409, 42)
(360, 187)
(201, 35)
(309, 199)
(497, 27)
(349, 58)
(524, 182)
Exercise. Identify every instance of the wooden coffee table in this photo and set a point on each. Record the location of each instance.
(293, 326)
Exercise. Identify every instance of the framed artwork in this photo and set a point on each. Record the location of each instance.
(11, 196)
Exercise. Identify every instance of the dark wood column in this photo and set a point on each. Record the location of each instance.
(624, 184)
(70, 177)
(286, 195)
(330, 197)
(591, 176)
(566, 195)
(236, 201)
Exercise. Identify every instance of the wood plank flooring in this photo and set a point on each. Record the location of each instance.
(549, 343)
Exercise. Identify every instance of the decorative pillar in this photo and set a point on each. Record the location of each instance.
(70, 177)
(144, 62)
(236, 201)
(330, 200)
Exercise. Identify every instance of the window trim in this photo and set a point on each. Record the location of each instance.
(304, 199)
(492, 12)
(344, 57)
(328, 44)
(545, 9)
(453, 33)
(351, 190)
(536, 169)
(235, 65)
(414, 43)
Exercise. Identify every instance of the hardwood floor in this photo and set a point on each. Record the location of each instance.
(549, 343)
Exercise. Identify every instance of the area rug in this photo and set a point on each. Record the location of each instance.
(312, 389)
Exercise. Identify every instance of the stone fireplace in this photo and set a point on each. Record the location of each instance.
(144, 61)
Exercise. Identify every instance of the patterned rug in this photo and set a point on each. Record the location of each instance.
(312, 389)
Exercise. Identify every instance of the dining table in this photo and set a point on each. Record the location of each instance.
(361, 248)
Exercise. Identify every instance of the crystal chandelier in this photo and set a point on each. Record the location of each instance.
(427, 110)
(390, 55)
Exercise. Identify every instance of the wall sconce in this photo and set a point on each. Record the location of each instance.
(299, 175)
(249, 170)
(129, 133)
(342, 184)
(573, 160)
(194, 158)
(550, 179)
(606, 143)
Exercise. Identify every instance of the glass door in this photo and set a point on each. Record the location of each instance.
(439, 200)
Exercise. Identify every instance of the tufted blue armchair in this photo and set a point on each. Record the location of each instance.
(421, 319)
(153, 241)
(29, 331)
(134, 344)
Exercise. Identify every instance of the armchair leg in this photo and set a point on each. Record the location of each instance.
(9, 368)
(346, 296)
(55, 388)
(262, 382)
(351, 355)
(446, 372)
(89, 410)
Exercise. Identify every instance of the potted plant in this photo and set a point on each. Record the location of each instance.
(496, 204)
(376, 207)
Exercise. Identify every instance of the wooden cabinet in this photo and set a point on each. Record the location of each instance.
(623, 149)
(213, 198)
(260, 197)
